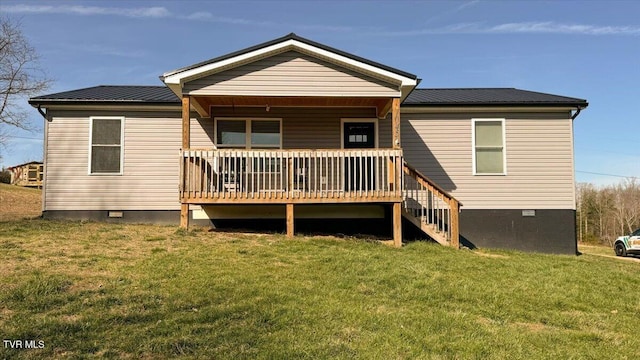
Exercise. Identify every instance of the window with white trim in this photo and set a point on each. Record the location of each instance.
(106, 145)
(489, 147)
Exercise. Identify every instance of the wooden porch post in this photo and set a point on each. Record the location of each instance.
(397, 172)
(455, 223)
(397, 224)
(395, 123)
(395, 143)
(289, 220)
(186, 144)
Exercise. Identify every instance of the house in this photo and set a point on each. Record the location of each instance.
(27, 174)
(292, 130)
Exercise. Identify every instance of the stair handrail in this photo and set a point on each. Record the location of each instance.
(454, 204)
(411, 171)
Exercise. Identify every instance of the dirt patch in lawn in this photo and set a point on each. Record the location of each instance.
(19, 203)
(495, 256)
(604, 251)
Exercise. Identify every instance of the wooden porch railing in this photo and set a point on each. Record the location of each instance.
(290, 176)
(430, 208)
(236, 176)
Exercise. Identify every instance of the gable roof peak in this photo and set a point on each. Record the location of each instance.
(280, 44)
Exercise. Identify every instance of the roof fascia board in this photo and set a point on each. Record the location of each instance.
(114, 107)
(408, 109)
(176, 88)
(291, 44)
(185, 76)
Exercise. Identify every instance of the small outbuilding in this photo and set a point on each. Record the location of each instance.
(27, 174)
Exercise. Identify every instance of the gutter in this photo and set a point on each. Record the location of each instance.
(496, 104)
(39, 102)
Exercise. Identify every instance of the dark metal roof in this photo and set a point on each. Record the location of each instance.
(488, 96)
(111, 93)
(162, 95)
(27, 163)
(292, 36)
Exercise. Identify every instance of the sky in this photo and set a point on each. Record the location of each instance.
(584, 49)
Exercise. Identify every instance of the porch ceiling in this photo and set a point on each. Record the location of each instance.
(203, 104)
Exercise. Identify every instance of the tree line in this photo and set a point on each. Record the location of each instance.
(606, 212)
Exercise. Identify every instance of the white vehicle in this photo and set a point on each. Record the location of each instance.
(628, 245)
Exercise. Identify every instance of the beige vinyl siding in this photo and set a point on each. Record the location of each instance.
(539, 166)
(202, 135)
(150, 174)
(151, 153)
(384, 133)
(290, 74)
(538, 148)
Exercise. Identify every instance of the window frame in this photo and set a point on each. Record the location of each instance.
(122, 123)
(254, 167)
(474, 148)
(247, 141)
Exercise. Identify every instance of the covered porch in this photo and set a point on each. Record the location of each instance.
(255, 154)
(292, 122)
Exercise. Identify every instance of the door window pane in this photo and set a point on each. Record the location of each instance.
(359, 135)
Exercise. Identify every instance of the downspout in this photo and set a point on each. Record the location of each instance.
(44, 114)
(44, 158)
(572, 117)
(573, 171)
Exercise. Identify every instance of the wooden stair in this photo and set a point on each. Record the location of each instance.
(430, 229)
(430, 208)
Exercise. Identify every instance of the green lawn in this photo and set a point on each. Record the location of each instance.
(138, 291)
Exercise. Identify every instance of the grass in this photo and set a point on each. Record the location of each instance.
(90, 290)
(136, 291)
(18, 202)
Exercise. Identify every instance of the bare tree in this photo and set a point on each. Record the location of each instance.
(20, 77)
(627, 207)
(606, 212)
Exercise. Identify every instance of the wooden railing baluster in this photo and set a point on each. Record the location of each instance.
(437, 212)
